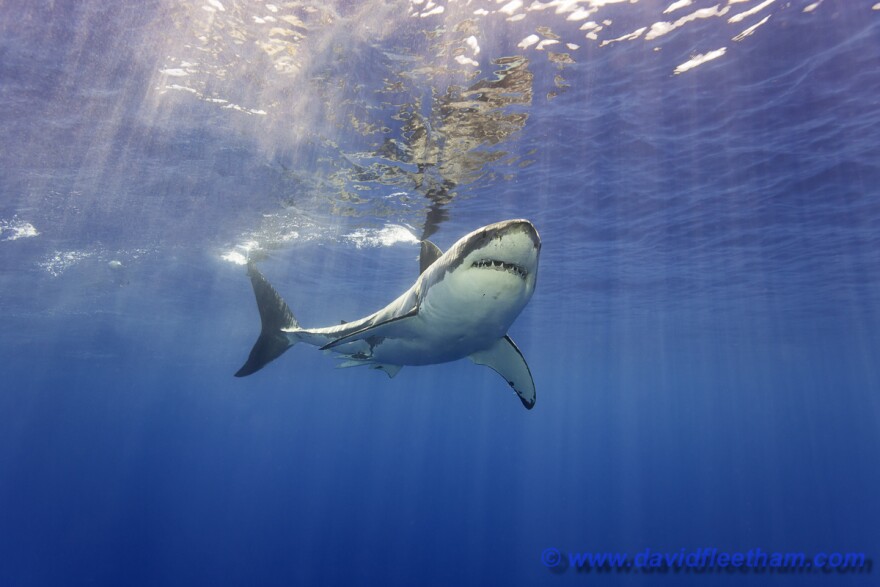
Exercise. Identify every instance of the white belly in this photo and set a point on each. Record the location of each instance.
(460, 316)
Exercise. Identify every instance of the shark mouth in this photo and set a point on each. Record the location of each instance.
(501, 266)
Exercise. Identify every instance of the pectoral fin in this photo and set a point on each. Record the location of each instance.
(379, 329)
(506, 359)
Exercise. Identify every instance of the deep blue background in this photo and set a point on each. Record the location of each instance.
(704, 337)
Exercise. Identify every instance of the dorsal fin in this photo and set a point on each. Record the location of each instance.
(430, 253)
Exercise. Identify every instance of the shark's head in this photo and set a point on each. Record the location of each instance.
(505, 251)
(485, 279)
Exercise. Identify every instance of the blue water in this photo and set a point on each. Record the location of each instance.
(705, 334)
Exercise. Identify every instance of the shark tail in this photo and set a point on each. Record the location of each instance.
(275, 316)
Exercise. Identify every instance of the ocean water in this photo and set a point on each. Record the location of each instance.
(704, 337)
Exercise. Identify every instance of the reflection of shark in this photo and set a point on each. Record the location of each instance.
(460, 306)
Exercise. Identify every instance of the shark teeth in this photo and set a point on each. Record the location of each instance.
(501, 265)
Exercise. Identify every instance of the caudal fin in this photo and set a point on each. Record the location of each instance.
(274, 315)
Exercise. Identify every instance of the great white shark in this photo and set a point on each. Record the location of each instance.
(461, 305)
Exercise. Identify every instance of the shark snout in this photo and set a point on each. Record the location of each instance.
(516, 227)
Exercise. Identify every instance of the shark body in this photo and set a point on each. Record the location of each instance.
(462, 305)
